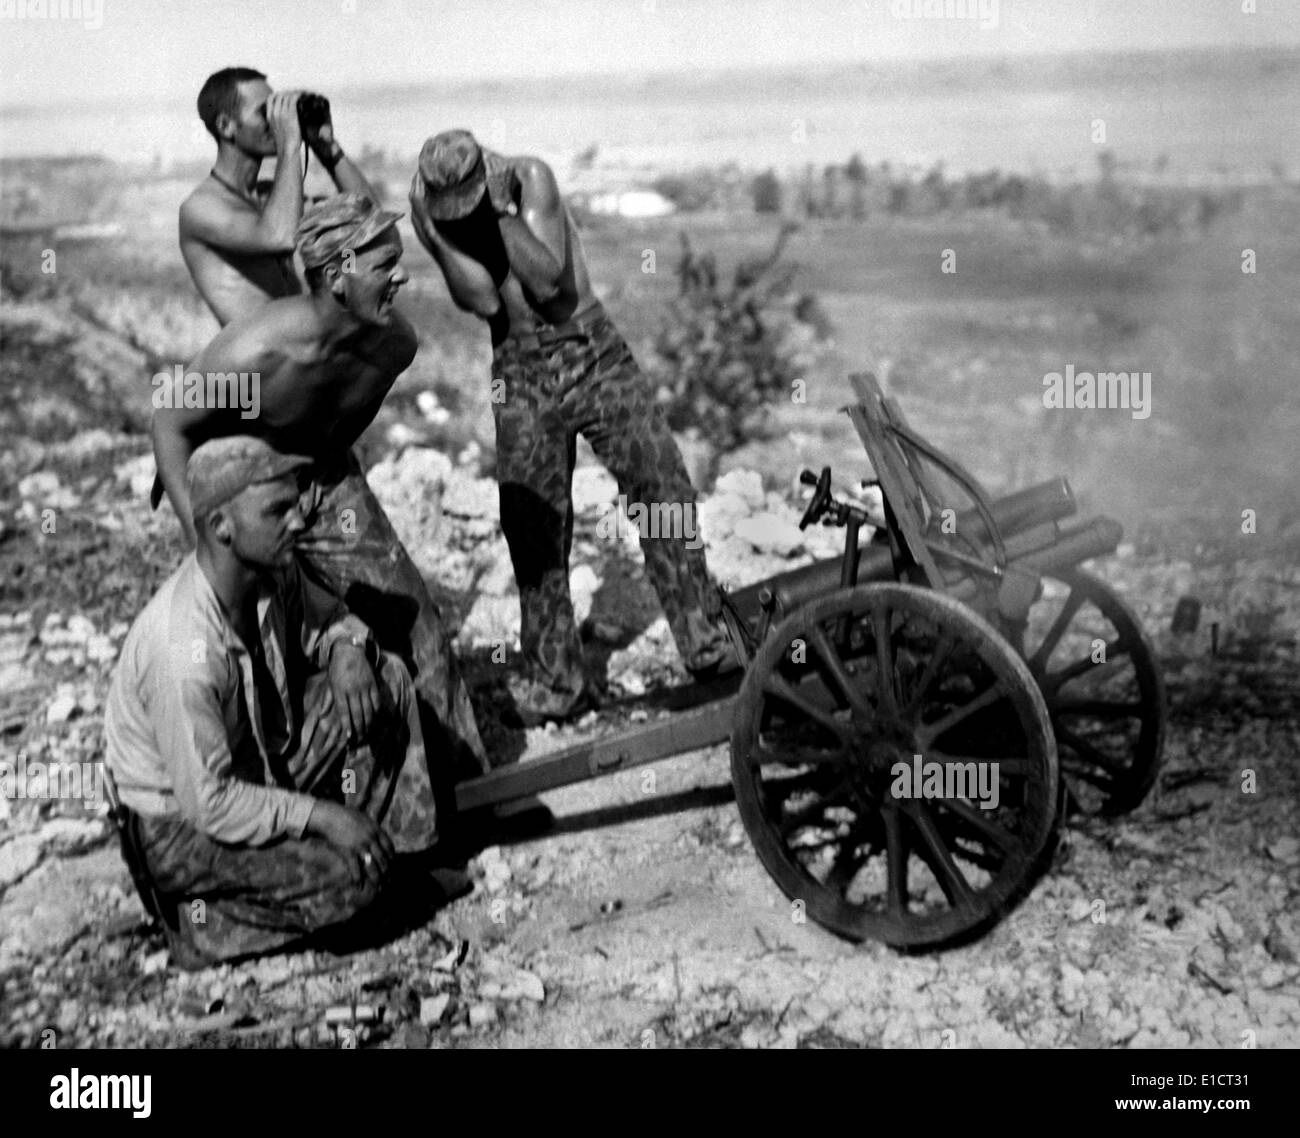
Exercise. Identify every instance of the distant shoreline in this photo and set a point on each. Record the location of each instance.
(1041, 66)
(1207, 117)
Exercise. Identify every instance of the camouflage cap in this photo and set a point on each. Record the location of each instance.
(221, 469)
(344, 221)
(451, 166)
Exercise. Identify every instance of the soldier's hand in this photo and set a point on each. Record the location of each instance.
(321, 139)
(368, 847)
(353, 686)
(502, 184)
(282, 114)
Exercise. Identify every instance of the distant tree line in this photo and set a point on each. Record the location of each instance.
(1107, 205)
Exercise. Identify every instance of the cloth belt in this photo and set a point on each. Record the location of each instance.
(576, 327)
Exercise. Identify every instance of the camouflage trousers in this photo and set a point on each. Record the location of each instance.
(581, 378)
(229, 902)
(352, 550)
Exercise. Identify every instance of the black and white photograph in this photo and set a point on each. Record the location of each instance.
(650, 524)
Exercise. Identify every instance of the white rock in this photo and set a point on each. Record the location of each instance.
(584, 582)
(769, 533)
(655, 643)
(80, 628)
(1285, 850)
(496, 870)
(153, 963)
(787, 1039)
(470, 454)
(594, 489)
(470, 497)
(138, 473)
(524, 985)
(828, 541)
(399, 435)
(498, 580)
(870, 498)
(1080, 908)
(1072, 982)
(432, 1009)
(68, 833)
(744, 484)
(492, 620)
(61, 708)
(482, 1015)
(40, 486)
(719, 515)
(416, 468)
(14, 677)
(431, 409)
(18, 857)
(87, 444)
(452, 960)
(633, 685)
(100, 649)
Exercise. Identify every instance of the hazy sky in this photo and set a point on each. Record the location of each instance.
(146, 50)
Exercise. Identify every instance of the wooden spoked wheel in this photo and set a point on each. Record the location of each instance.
(1099, 678)
(846, 702)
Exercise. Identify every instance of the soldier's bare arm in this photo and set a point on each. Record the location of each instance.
(179, 431)
(470, 284)
(347, 177)
(239, 228)
(536, 239)
(392, 357)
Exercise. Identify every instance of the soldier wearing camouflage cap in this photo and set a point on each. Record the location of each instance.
(241, 690)
(325, 363)
(509, 250)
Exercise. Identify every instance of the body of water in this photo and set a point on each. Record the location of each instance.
(1200, 116)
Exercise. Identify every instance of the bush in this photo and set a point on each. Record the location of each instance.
(1106, 207)
(727, 352)
(766, 190)
(688, 192)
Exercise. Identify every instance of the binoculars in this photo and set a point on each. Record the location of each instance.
(313, 113)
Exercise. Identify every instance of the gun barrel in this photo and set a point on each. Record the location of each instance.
(1023, 510)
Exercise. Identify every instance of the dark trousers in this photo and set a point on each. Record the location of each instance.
(352, 550)
(577, 378)
(227, 902)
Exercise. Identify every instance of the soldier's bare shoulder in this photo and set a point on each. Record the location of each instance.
(530, 167)
(290, 326)
(276, 332)
(206, 190)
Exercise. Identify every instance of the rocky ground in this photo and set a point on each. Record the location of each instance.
(644, 918)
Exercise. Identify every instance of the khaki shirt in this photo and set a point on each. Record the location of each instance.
(183, 723)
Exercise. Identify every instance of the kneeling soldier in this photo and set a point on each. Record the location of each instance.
(269, 755)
